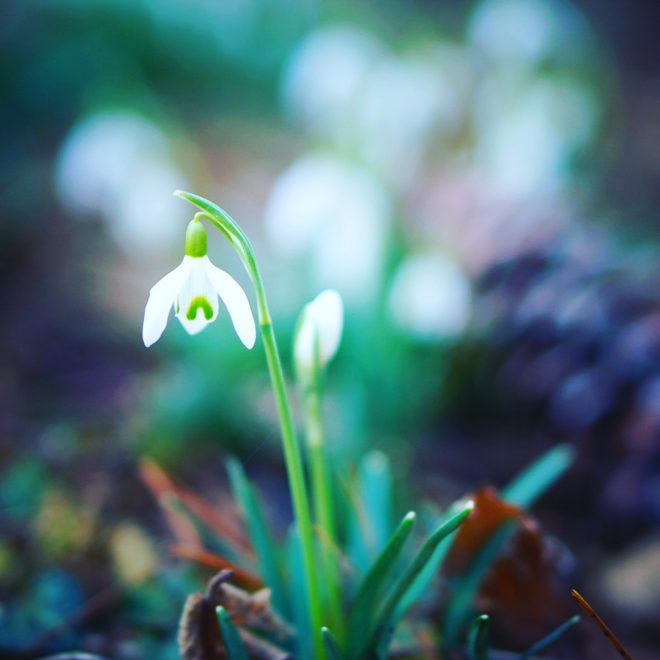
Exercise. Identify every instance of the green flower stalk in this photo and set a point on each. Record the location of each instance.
(192, 290)
(317, 340)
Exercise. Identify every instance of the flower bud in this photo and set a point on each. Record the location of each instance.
(319, 333)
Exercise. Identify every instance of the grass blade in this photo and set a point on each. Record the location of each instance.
(534, 480)
(262, 542)
(410, 575)
(230, 637)
(373, 586)
(330, 645)
(478, 638)
(424, 579)
(549, 639)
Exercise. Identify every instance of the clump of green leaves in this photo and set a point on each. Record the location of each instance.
(381, 578)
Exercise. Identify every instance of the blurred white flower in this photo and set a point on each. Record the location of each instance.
(192, 290)
(117, 164)
(430, 297)
(336, 214)
(319, 331)
(527, 136)
(398, 108)
(344, 85)
(324, 76)
(524, 32)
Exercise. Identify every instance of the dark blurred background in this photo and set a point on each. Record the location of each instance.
(480, 181)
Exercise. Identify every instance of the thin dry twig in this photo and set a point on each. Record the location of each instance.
(604, 628)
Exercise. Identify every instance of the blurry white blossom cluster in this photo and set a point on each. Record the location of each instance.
(119, 166)
(469, 142)
(462, 149)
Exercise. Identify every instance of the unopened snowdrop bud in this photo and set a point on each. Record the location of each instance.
(319, 333)
(192, 290)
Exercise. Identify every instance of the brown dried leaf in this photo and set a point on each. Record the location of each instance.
(216, 562)
(489, 514)
(525, 589)
(199, 633)
(249, 609)
(226, 526)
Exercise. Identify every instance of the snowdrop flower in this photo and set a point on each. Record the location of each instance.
(319, 332)
(192, 289)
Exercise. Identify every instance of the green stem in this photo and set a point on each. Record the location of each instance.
(323, 505)
(296, 476)
(222, 221)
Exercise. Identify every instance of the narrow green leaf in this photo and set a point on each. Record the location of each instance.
(260, 538)
(466, 587)
(372, 521)
(298, 601)
(534, 480)
(424, 579)
(230, 637)
(385, 617)
(552, 637)
(373, 585)
(332, 650)
(478, 638)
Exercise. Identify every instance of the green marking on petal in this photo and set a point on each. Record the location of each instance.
(196, 303)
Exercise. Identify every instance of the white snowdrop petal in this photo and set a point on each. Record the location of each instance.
(161, 298)
(193, 326)
(197, 302)
(305, 342)
(237, 303)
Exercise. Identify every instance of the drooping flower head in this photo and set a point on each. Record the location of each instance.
(192, 291)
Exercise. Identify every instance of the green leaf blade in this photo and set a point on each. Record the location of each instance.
(478, 638)
(374, 584)
(534, 480)
(263, 543)
(330, 645)
(386, 616)
(230, 635)
(552, 637)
